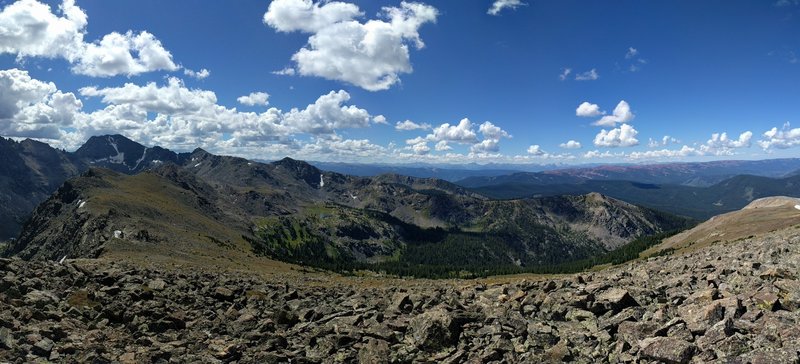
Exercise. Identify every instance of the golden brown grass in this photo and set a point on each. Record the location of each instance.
(752, 221)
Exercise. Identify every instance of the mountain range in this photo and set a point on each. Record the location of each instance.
(446, 172)
(114, 195)
(293, 211)
(30, 171)
(698, 174)
(697, 202)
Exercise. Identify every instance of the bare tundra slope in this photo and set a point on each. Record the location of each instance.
(760, 216)
(735, 301)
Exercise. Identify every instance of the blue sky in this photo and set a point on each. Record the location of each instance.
(687, 71)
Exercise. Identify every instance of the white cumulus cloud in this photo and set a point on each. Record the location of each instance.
(410, 125)
(587, 109)
(371, 55)
(622, 114)
(624, 136)
(664, 141)
(592, 154)
(306, 16)
(254, 99)
(326, 114)
(783, 138)
(491, 131)
(200, 75)
(184, 114)
(571, 144)
(174, 116)
(418, 145)
(461, 133)
(442, 146)
(535, 150)
(32, 108)
(718, 145)
(486, 146)
(172, 98)
(116, 54)
(685, 151)
(29, 28)
(491, 138)
(721, 144)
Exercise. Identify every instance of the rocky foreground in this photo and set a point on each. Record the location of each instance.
(735, 302)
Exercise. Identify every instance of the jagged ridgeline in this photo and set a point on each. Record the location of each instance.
(199, 205)
(30, 171)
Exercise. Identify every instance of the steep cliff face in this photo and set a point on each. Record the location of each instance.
(29, 172)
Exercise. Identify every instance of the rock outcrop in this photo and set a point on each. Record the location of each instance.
(729, 302)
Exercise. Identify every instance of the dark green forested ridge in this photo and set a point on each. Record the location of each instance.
(440, 253)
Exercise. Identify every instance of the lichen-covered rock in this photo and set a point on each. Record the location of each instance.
(615, 299)
(39, 299)
(667, 349)
(433, 330)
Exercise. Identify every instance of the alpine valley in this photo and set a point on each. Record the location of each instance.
(122, 196)
(113, 195)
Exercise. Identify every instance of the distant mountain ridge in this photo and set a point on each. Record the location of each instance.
(33, 170)
(697, 202)
(226, 206)
(700, 174)
(451, 174)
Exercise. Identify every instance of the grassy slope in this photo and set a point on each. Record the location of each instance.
(178, 227)
(760, 217)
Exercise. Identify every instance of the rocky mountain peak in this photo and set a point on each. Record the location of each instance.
(292, 163)
(199, 153)
(113, 151)
(123, 155)
(300, 169)
(34, 144)
(102, 143)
